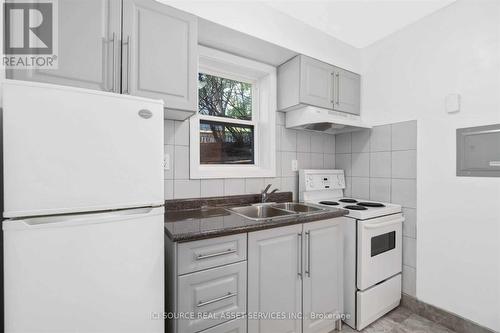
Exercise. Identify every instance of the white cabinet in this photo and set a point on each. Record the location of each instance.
(207, 280)
(213, 293)
(296, 270)
(137, 47)
(323, 278)
(160, 54)
(306, 81)
(274, 278)
(212, 252)
(285, 275)
(89, 36)
(347, 91)
(316, 82)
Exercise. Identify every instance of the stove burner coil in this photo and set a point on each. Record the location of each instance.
(352, 207)
(348, 200)
(371, 204)
(329, 203)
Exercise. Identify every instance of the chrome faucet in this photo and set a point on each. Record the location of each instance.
(265, 195)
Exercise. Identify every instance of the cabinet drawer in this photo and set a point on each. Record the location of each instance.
(207, 296)
(233, 326)
(213, 252)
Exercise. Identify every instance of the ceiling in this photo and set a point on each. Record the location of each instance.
(358, 22)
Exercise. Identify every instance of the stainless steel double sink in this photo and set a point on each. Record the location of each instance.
(267, 211)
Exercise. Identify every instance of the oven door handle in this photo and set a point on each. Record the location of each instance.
(382, 224)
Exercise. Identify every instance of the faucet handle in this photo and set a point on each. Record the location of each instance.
(267, 188)
(274, 191)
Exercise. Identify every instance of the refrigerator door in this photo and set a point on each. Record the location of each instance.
(70, 150)
(85, 273)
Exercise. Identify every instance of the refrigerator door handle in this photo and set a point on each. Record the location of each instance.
(81, 219)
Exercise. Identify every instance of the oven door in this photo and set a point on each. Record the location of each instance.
(379, 249)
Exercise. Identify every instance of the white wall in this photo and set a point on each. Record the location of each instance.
(264, 22)
(407, 76)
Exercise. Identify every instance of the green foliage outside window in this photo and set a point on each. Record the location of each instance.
(223, 97)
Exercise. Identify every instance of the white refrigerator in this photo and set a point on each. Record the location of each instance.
(83, 194)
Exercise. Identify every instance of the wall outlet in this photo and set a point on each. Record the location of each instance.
(295, 165)
(166, 162)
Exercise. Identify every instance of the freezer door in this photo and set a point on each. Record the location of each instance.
(74, 150)
(85, 273)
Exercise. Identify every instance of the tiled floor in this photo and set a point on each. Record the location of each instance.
(401, 320)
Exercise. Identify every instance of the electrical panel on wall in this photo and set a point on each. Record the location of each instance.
(478, 151)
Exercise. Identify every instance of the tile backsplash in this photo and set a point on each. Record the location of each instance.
(311, 150)
(381, 165)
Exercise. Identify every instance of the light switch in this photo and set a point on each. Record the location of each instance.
(295, 166)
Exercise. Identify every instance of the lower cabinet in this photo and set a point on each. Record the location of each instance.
(323, 279)
(212, 294)
(279, 280)
(296, 273)
(274, 279)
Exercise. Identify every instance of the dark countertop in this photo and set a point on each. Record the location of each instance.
(208, 221)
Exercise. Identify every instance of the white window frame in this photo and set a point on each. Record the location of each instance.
(263, 80)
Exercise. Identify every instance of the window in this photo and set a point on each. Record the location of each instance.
(233, 133)
(223, 142)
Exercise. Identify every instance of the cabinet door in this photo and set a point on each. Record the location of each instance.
(347, 90)
(160, 53)
(316, 83)
(88, 39)
(323, 274)
(274, 268)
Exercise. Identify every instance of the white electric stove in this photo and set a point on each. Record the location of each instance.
(372, 246)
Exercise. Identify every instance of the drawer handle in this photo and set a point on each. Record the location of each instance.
(206, 256)
(229, 295)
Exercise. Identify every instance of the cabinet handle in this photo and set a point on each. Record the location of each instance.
(113, 65)
(308, 240)
(338, 88)
(299, 255)
(333, 88)
(229, 295)
(206, 256)
(127, 81)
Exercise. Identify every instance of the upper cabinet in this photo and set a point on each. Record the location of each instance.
(160, 54)
(306, 81)
(137, 47)
(347, 91)
(316, 82)
(88, 47)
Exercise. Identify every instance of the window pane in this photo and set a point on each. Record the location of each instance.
(224, 97)
(222, 143)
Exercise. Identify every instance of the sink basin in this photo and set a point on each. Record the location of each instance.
(262, 212)
(297, 207)
(273, 210)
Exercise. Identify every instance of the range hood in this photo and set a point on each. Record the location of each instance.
(323, 120)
